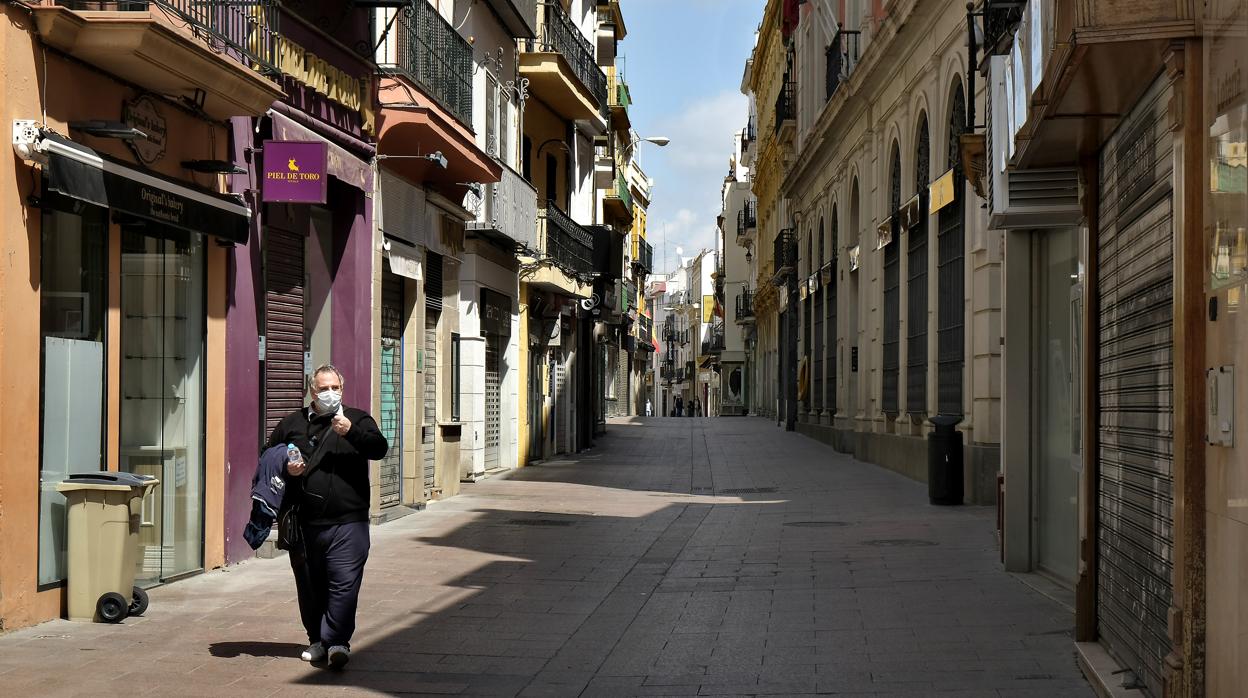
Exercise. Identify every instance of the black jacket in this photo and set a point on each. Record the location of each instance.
(335, 489)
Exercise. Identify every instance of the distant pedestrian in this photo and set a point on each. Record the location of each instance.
(679, 407)
(648, 408)
(328, 491)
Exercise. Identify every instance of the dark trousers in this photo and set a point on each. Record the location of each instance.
(328, 580)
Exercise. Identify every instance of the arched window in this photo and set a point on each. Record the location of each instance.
(892, 289)
(829, 300)
(916, 280)
(816, 386)
(950, 273)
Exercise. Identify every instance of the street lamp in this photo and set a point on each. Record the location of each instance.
(660, 141)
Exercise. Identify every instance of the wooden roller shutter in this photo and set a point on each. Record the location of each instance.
(284, 385)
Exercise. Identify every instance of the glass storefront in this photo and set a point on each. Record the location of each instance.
(1057, 481)
(72, 286)
(161, 416)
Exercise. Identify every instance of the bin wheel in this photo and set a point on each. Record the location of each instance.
(112, 607)
(139, 603)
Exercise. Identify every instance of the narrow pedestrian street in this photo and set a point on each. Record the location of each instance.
(677, 557)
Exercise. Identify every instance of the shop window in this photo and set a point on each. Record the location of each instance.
(72, 292)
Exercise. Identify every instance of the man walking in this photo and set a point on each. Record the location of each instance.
(329, 488)
(679, 407)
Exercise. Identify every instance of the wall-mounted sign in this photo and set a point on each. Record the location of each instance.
(495, 313)
(144, 115)
(940, 192)
(296, 172)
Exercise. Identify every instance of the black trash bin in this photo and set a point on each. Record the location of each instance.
(944, 461)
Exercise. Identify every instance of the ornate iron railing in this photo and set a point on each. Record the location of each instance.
(644, 256)
(747, 218)
(745, 305)
(785, 252)
(510, 208)
(247, 31)
(558, 34)
(568, 243)
(786, 106)
(645, 331)
(714, 342)
(426, 48)
(1001, 18)
(842, 57)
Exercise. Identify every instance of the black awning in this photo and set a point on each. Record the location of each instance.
(79, 172)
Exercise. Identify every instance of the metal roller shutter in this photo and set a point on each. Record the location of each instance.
(829, 299)
(916, 316)
(430, 430)
(493, 401)
(816, 387)
(891, 361)
(391, 415)
(1135, 497)
(284, 385)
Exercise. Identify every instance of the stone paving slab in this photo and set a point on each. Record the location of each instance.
(680, 557)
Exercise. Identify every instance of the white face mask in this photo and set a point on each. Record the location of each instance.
(328, 401)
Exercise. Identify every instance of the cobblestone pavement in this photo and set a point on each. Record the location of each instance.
(679, 557)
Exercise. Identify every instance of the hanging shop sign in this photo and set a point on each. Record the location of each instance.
(940, 192)
(144, 115)
(827, 273)
(855, 256)
(495, 313)
(296, 172)
(884, 233)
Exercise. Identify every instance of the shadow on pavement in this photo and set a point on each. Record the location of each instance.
(229, 650)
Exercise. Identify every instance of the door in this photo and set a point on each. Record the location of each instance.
(391, 415)
(162, 372)
(493, 401)
(1135, 507)
(1057, 483)
(283, 325)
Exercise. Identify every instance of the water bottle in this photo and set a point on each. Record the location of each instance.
(293, 455)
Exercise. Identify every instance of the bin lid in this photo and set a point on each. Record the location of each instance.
(945, 420)
(106, 477)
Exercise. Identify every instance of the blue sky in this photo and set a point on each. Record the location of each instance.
(684, 62)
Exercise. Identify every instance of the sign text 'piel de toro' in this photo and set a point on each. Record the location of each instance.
(296, 171)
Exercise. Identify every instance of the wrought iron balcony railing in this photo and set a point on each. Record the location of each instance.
(745, 306)
(751, 133)
(747, 218)
(645, 332)
(426, 48)
(557, 33)
(785, 252)
(842, 58)
(510, 210)
(714, 342)
(1001, 18)
(786, 106)
(246, 31)
(566, 242)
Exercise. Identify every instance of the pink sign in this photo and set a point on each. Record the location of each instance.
(296, 171)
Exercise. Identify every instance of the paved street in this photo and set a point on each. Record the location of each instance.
(679, 557)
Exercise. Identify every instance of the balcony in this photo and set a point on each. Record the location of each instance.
(426, 49)
(714, 343)
(643, 255)
(564, 241)
(509, 213)
(619, 99)
(224, 54)
(747, 218)
(645, 333)
(842, 58)
(745, 307)
(560, 66)
(786, 107)
(618, 202)
(784, 253)
(1001, 18)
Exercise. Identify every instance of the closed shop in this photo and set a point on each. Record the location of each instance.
(433, 309)
(283, 325)
(391, 415)
(496, 328)
(1135, 383)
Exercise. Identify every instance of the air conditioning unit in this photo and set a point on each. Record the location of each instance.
(1041, 198)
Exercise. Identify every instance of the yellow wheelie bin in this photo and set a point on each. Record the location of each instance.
(104, 511)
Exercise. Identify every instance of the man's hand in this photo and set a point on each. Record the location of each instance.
(341, 425)
(297, 469)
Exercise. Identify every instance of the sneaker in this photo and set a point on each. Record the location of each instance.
(314, 653)
(339, 655)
